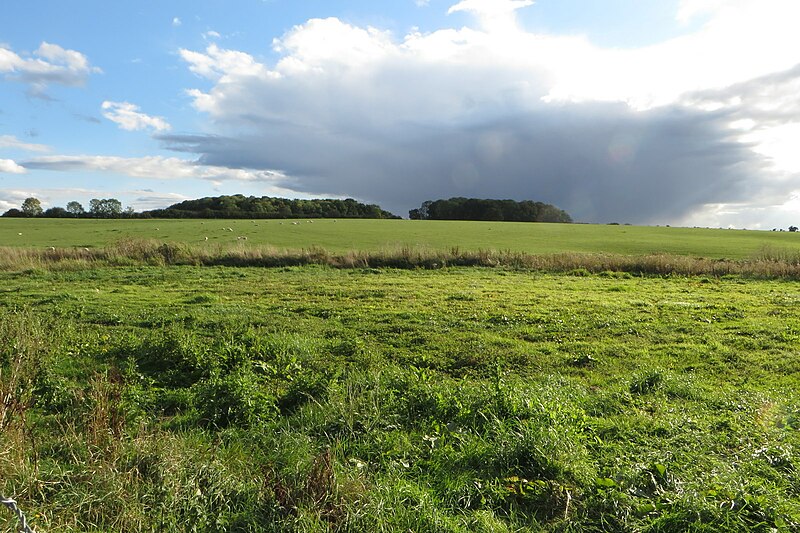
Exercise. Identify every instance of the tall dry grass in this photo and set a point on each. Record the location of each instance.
(768, 263)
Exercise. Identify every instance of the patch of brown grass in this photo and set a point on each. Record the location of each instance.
(766, 264)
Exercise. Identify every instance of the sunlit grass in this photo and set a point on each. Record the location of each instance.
(365, 399)
(375, 235)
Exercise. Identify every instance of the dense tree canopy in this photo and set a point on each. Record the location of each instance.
(480, 209)
(32, 207)
(105, 208)
(14, 213)
(75, 208)
(240, 206)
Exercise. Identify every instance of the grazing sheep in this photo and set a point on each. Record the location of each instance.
(206, 238)
(242, 238)
(52, 248)
(20, 234)
(295, 223)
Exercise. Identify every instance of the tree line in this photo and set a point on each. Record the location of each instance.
(484, 209)
(236, 206)
(240, 206)
(98, 208)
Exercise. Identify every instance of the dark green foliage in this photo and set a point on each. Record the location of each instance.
(480, 209)
(105, 207)
(56, 212)
(32, 207)
(240, 206)
(234, 399)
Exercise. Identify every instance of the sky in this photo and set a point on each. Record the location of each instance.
(681, 112)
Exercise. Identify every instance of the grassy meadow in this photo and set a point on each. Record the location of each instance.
(373, 235)
(143, 395)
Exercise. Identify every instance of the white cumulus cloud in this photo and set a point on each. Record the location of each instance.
(50, 64)
(495, 15)
(10, 167)
(129, 117)
(222, 65)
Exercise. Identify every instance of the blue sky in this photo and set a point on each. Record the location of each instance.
(668, 112)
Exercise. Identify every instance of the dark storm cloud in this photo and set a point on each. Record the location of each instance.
(600, 162)
(351, 111)
(770, 100)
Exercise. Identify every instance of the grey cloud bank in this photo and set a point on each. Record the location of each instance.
(349, 111)
(600, 162)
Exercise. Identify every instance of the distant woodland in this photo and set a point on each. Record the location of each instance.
(239, 206)
(480, 209)
(236, 206)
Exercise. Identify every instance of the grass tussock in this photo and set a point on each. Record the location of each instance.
(768, 263)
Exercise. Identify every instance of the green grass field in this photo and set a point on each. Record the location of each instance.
(143, 396)
(371, 235)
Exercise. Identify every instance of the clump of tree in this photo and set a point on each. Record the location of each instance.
(484, 209)
(240, 206)
(32, 207)
(98, 208)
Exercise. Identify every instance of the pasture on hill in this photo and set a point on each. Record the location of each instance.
(371, 235)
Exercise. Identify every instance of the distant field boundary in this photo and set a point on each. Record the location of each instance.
(767, 264)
